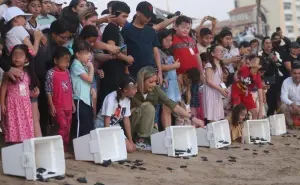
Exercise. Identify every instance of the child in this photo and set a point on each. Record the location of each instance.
(205, 40)
(45, 19)
(184, 47)
(59, 92)
(169, 67)
(236, 119)
(15, 98)
(249, 81)
(14, 33)
(214, 89)
(116, 109)
(82, 75)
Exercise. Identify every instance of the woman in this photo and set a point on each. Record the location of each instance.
(272, 76)
(143, 107)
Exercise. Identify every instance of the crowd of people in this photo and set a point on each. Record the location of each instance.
(74, 69)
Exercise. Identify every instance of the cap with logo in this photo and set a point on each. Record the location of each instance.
(145, 8)
(13, 12)
(294, 45)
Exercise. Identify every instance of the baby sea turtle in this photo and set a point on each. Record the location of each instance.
(189, 150)
(69, 175)
(287, 144)
(142, 168)
(106, 163)
(40, 170)
(133, 167)
(270, 143)
(224, 148)
(266, 151)
(59, 177)
(246, 149)
(185, 157)
(99, 183)
(232, 160)
(171, 169)
(194, 155)
(219, 161)
(254, 150)
(183, 166)
(179, 153)
(255, 153)
(82, 180)
(225, 142)
(51, 173)
(221, 141)
(121, 162)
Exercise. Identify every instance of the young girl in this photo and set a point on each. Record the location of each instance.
(169, 67)
(214, 89)
(59, 92)
(14, 33)
(82, 75)
(34, 7)
(116, 109)
(15, 98)
(236, 119)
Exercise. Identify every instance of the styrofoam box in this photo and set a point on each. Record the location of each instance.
(277, 124)
(25, 158)
(256, 128)
(101, 145)
(213, 134)
(175, 138)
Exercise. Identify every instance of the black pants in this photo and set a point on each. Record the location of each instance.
(43, 107)
(273, 96)
(83, 120)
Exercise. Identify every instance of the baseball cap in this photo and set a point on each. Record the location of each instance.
(59, 2)
(294, 45)
(13, 12)
(145, 8)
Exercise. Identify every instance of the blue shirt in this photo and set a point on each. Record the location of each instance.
(81, 88)
(140, 43)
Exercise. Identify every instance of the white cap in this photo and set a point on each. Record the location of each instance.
(58, 1)
(13, 12)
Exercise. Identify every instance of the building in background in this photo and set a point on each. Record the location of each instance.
(276, 13)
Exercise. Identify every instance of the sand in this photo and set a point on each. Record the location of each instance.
(280, 166)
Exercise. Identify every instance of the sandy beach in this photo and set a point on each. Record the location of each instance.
(255, 165)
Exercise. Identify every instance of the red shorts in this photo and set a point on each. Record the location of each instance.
(240, 97)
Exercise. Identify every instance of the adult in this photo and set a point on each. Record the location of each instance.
(142, 42)
(45, 19)
(148, 95)
(289, 59)
(87, 17)
(272, 76)
(59, 35)
(290, 95)
(276, 38)
(56, 7)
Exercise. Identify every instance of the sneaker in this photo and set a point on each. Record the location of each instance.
(143, 146)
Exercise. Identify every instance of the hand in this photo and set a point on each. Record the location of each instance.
(52, 110)
(235, 58)
(35, 93)
(295, 108)
(260, 115)
(176, 64)
(90, 66)
(113, 49)
(100, 73)
(160, 78)
(132, 144)
(110, 18)
(3, 109)
(224, 92)
(94, 94)
(14, 73)
(129, 60)
(204, 19)
(198, 123)
(44, 41)
(73, 107)
(38, 35)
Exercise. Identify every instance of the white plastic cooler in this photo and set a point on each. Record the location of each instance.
(101, 145)
(277, 124)
(258, 130)
(215, 135)
(24, 159)
(175, 141)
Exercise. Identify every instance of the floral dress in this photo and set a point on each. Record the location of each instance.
(19, 121)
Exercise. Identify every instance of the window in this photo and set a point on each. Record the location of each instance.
(290, 29)
(287, 6)
(298, 20)
(288, 17)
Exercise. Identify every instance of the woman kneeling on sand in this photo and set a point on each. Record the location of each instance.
(148, 95)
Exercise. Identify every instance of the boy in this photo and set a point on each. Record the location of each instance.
(184, 47)
(142, 42)
(114, 69)
(205, 40)
(249, 81)
(45, 19)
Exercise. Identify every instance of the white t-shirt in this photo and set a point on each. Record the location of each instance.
(15, 36)
(116, 111)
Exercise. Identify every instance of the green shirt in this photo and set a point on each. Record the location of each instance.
(45, 20)
(155, 97)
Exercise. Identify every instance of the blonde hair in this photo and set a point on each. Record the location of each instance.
(144, 74)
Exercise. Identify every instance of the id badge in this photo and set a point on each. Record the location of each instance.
(192, 51)
(22, 88)
(223, 86)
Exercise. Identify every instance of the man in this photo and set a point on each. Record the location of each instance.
(290, 95)
(56, 7)
(142, 42)
(283, 50)
(289, 59)
(45, 19)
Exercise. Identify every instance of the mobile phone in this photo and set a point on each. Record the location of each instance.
(117, 13)
(223, 86)
(122, 48)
